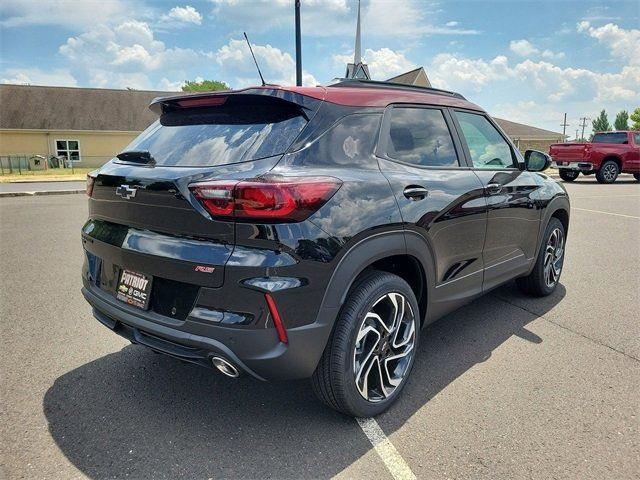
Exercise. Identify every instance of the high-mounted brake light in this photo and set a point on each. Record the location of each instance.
(202, 102)
(274, 199)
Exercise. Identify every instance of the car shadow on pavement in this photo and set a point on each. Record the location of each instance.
(137, 414)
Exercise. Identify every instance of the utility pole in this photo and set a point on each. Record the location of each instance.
(577, 130)
(564, 128)
(583, 123)
(298, 46)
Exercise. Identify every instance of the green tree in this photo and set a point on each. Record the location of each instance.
(622, 120)
(601, 124)
(635, 118)
(204, 86)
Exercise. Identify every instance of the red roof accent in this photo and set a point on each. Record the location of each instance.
(380, 97)
(368, 96)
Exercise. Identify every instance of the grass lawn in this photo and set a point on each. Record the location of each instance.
(50, 175)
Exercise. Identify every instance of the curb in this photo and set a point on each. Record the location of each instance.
(31, 194)
(47, 180)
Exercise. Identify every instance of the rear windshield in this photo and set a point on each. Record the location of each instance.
(240, 130)
(614, 137)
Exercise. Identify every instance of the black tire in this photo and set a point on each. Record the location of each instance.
(334, 381)
(536, 283)
(608, 172)
(568, 175)
(636, 176)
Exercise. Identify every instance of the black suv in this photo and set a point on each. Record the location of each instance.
(312, 232)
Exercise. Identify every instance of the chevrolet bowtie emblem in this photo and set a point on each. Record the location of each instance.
(126, 192)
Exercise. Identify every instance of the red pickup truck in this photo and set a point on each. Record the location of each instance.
(607, 155)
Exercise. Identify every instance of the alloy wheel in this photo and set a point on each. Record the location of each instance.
(553, 253)
(384, 347)
(609, 172)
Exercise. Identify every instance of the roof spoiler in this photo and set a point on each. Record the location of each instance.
(160, 105)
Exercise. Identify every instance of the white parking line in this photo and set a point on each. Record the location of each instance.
(385, 450)
(604, 196)
(605, 213)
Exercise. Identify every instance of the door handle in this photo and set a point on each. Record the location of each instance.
(493, 188)
(415, 192)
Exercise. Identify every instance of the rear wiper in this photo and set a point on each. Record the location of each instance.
(141, 157)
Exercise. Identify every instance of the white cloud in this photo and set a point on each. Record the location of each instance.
(624, 44)
(129, 47)
(127, 54)
(72, 14)
(383, 63)
(36, 76)
(451, 24)
(278, 67)
(405, 19)
(538, 92)
(180, 16)
(550, 55)
(523, 47)
(322, 18)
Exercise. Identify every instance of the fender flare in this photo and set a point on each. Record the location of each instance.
(364, 253)
(560, 202)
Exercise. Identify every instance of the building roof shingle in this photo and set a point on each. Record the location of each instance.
(68, 108)
(520, 131)
(27, 107)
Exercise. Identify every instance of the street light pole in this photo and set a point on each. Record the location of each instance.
(298, 46)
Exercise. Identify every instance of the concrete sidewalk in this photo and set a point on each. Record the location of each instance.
(40, 188)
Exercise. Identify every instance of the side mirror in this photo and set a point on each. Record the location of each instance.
(535, 161)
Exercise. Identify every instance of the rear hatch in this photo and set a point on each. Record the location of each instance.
(142, 215)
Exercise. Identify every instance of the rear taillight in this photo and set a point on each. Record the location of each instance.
(272, 199)
(90, 181)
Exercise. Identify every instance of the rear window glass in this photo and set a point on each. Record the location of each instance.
(238, 131)
(421, 136)
(614, 137)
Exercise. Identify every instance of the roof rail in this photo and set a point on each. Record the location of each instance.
(355, 83)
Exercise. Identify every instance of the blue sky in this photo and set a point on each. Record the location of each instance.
(525, 61)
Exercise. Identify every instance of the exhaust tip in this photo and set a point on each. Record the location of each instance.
(225, 367)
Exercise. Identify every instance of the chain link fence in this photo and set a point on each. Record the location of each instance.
(33, 164)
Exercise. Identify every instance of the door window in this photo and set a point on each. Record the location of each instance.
(488, 149)
(420, 136)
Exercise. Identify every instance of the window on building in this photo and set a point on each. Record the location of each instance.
(69, 149)
(487, 147)
(421, 136)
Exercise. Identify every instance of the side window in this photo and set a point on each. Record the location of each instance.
(487, 147)
(636, 138)
(349, 142)
(420, 136)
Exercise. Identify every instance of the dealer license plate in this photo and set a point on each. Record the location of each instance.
(134, 288)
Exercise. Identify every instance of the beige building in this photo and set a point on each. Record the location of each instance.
(87, 126)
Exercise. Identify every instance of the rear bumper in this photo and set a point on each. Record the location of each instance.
(572, 165)
(256, 352)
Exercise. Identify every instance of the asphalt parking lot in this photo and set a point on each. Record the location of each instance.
(507, 387)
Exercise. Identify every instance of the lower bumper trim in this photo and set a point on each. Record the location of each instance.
(185, 346)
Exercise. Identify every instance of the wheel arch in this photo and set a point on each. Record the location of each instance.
(614, 158)
(398, 252)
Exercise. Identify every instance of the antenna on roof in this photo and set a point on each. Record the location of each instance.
(254, 59)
